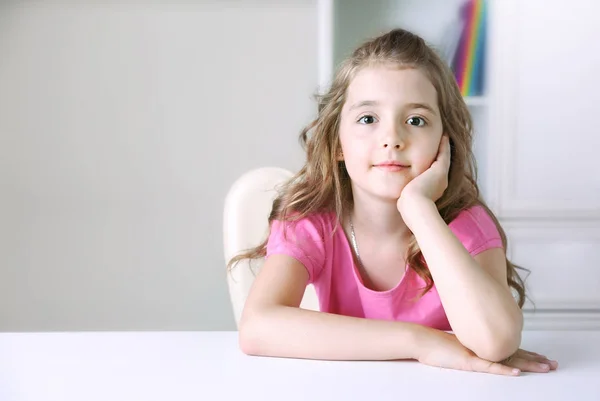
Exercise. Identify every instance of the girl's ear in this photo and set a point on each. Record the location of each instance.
(340, 155)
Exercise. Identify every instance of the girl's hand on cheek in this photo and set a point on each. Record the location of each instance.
(431, 184)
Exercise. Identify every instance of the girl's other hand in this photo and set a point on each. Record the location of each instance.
(443, 350)
(528, 361)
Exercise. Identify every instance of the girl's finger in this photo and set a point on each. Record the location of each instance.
(483, 366)
(444, 155)
(522, 351)
(528, 365)
(447, 145)
(553, 364)
(532, 356)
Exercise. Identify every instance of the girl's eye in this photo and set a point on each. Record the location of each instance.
(415, 121)
(366, 119)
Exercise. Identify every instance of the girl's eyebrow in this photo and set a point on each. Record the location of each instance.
(364, 103)
(410, 106)
(424, 106)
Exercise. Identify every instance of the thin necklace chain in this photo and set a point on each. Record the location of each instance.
(354, 244)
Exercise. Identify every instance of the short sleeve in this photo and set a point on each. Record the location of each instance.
(303, 240)
(476, 229)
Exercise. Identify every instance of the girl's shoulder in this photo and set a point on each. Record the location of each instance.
(307, 239)
(311, 229)
(476, 229)
(322, 221)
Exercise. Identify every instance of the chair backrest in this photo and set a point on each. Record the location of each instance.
(245, 225)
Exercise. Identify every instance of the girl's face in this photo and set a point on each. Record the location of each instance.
(390, 129)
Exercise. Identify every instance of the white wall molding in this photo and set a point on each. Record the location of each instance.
(563, 262)
(562, 320)
(505, 82)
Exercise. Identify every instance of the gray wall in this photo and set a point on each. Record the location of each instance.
(121, 129)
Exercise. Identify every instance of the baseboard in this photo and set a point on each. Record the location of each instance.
(562, 320)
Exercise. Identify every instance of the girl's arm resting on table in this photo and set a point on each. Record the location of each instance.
(474, 291)
(272, 324)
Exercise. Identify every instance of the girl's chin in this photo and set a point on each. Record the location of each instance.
(388, 190)
(389, 196)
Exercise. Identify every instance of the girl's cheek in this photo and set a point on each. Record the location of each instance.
(422, 165)
(419, 170)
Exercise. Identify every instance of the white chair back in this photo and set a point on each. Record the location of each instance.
(245, 225)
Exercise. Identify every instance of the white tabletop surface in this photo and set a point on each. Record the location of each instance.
(206, 366)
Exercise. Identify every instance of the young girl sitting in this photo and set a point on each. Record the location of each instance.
(386, 221)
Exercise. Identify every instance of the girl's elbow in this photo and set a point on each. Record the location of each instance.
(498, 348)
(254, 332)
(247, 339)
(503, 343)
(247, 345)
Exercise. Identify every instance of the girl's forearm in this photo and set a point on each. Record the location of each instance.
(283, 331)
(483, 314)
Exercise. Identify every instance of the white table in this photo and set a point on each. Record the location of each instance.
(203, 366)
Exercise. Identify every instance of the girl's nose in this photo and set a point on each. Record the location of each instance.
(393, 138)
(395, 145)
(394, 142)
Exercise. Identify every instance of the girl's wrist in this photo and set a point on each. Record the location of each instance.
(424, 338)
(414, 207)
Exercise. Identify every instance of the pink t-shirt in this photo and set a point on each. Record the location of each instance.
(330, 265)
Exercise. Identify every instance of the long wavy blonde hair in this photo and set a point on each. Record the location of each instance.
(323, 184)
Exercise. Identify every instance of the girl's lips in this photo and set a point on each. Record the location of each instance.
(388, 163)
(390, 167)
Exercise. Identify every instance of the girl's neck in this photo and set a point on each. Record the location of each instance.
(378, 218)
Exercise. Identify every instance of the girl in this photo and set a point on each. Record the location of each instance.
(386, 221)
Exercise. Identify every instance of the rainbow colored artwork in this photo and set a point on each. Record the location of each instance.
(469, 60)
